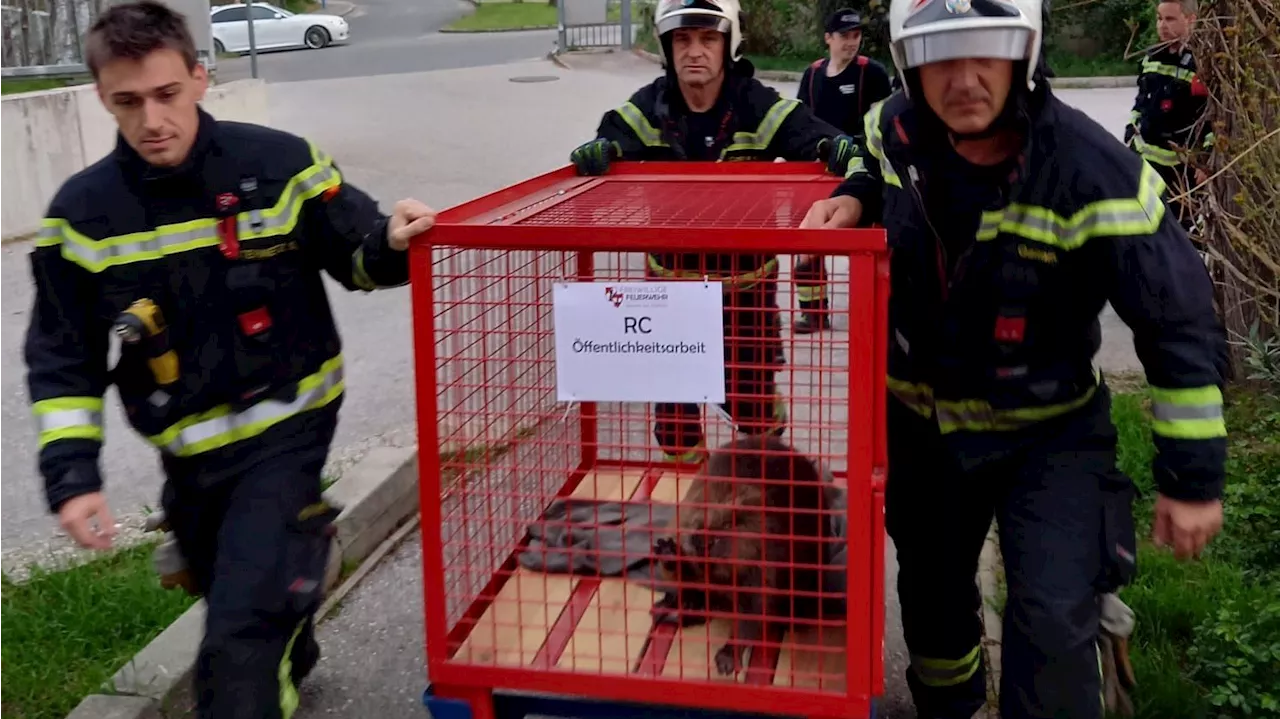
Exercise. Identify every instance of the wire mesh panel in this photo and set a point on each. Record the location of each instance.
(654, 550)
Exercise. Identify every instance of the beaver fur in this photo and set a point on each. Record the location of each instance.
(774, 547)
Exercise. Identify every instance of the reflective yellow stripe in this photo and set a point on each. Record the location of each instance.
(946, 672)
(1138, 215)
(221, 426)
(288, 692)
(68, 418)
(856, 167)
(1152, 153)
(689, 456)
(640, 125)
(810, 293)
(98, 255)
(917, 397)
(765, 132)
(1158, 68)
(875, 143)
(1194, 413)
(743, 281)
(976, 415)
(359, 276)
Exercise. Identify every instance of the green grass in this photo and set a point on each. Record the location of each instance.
(1199, 644)
(1067, 65)
(31, 84)
(68, 632)
(514, 15)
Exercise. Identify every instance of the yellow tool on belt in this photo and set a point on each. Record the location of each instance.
(144, 323)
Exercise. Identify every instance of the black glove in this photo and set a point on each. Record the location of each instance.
(838, 151)
(593, 158)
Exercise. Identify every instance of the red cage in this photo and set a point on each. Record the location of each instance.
(497, 449)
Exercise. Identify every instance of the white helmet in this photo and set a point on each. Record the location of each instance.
(925, 31)
(722, 15)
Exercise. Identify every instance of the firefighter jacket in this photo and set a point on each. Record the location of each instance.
(750, 121)
(229, 246)
(998, 341)
(1171, 98)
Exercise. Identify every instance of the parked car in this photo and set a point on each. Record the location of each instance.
(273, 28)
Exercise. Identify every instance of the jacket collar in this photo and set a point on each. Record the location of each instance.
(136, 168)
(904, 142)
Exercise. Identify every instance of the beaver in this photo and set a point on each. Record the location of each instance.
(752, 519)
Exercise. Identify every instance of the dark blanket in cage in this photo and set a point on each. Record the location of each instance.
(616, 539)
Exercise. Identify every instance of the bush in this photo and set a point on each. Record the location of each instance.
(1237, 59)
(1236, 653)
(1207, 640)
(1113, 29)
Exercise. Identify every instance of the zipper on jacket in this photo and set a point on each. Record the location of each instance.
(944, 280)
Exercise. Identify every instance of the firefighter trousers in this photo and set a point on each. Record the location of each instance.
(1064, 517)
(752, 355)
(257, 547)
(810, 276)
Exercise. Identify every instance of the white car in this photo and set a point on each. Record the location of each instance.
(273, 28)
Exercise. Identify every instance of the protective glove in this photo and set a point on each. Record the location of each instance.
(593, 158)
(1117, 621)
(838, 151)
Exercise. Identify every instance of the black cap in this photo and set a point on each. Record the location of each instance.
(843, 20)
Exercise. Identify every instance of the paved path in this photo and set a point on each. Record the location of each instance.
(374, 659)
(395, 36)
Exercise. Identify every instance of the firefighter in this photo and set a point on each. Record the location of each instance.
(1165, 120)
(708, 106)
(839, 89)
(200, 243)
(1013, 218)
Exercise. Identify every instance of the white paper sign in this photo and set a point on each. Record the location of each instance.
(639, 341)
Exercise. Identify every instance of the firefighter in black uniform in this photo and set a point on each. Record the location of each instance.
(839, 89)
(1164, 125)
(200, 243)
(1013, 218)
(707, 107)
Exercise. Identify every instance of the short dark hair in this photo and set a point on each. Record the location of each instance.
(131, 31)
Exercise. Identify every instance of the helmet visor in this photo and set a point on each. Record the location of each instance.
(998, 43)
(693, 19)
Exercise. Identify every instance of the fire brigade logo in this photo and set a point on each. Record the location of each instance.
(613, 296)
(959, 6)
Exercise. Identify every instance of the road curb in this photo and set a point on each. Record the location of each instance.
(527, 28)
(350, 8)
(1061, 83)
(378, 496)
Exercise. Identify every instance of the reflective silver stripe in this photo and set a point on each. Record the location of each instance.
(1121, 216)
(768, 128)
(236, 426)
(1166, 412)
(640, 125)
(66, 418)
(141, 246)
(97, 255)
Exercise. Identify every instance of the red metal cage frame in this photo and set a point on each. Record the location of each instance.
(488, 223)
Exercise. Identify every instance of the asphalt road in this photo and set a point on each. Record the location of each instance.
(395, 36)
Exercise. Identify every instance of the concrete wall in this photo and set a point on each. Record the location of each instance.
(52, 134)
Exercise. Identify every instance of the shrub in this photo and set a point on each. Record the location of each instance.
(1236, 654)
